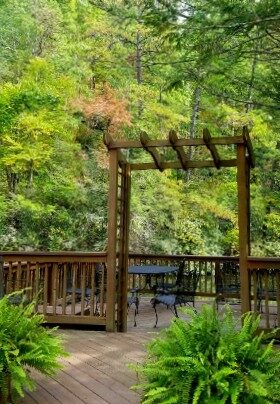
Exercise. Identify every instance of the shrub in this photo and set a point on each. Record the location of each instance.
(24, 344)
(210, 360)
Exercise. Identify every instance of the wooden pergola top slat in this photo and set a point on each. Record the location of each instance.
(189, 164)
(182, 156)
(136, 144)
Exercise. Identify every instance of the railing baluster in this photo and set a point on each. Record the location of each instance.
(102, 287)
(18, 276)
(55, 285)
(211, 276)
(83, 286)
(73, 290)
(205, 277)
(92, 270)
(266, 299)
(46, 289)
(255, 289)
(37, 283)
(10, 278)
(64, 287)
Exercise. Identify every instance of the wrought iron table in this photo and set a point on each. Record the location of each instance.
(150, 271)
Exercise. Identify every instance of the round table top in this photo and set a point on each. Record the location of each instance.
(151, 269)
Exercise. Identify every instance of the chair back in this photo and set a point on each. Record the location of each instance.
(180, 273)
(267, 285)
(228, 279)
(187, 279)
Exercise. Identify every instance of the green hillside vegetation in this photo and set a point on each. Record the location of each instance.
(71, 70)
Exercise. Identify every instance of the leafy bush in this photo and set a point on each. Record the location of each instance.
(210, 360)
(24, 344)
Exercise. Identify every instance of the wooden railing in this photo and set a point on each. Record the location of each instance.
(69, 287)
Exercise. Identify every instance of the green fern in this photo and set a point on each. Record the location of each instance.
(209, 360)
(24, 343)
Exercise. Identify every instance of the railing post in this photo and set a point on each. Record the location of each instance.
(123, 248)
(243, 224)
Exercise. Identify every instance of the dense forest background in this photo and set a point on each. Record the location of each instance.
(71, 70)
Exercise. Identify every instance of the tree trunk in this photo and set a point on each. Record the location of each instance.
(249, 105)
(195, 111)
(12, 180)
(30, 174)
(138, 67)
(194, 119)
(138, 58)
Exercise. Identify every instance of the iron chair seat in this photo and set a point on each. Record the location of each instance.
(183, 292)
(87, 295)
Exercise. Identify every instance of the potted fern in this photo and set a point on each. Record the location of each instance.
(209, 359)
(24, 344)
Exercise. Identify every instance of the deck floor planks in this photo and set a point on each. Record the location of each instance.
(113, 385)
(67, 378)
(109, 350)
(41, 396)
(31, 399)
(96, 371)
(126, 376)
(93, 381)
(59, 392)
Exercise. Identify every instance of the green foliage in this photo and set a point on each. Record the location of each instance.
(72, 70)
(210, 360)
(24, 344)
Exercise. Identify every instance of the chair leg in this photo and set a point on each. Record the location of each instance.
(137, 305)
(155, 309)
(259, 305)
(135, 313)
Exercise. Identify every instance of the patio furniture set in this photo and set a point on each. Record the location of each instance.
(182, 288)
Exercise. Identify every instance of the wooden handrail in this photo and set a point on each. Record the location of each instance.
(75, 256)
(59, 256)
(186, 257)
(263, 263)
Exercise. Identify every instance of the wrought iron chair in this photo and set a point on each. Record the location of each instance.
(266, 288)
(134, 299)
(182, 292)
(227, 281)
(87, 291)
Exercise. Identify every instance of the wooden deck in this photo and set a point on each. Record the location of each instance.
(96, 371)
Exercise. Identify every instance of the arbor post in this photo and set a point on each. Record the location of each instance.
(112, 240)
(244, 226)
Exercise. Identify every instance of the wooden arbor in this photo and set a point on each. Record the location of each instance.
(119, 201)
